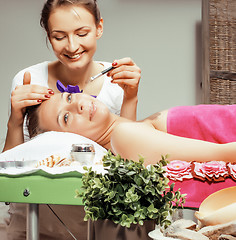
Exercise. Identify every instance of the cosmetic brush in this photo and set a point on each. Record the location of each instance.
(102, 73)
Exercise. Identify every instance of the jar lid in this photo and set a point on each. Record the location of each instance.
(82, 148)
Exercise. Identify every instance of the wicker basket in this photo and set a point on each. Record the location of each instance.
(222, 51)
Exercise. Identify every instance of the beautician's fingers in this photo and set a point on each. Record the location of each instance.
(20, 102)
(125, 68)
(28, 87)
(18, 109)
(123, 61)
(127, 75)
(20, 96)
(20, 105)
(24, 96)
(129, 82)
(31, 92)
(33, 89)
(124, 64)
(26, 78)
(130, 86)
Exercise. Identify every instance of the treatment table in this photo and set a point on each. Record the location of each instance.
(40, 188)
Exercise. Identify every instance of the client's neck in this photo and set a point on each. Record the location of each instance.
(105, 139)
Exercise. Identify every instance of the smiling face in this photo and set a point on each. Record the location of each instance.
(73, 35)
(77, 113)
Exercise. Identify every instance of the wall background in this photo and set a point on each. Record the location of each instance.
(162, 36)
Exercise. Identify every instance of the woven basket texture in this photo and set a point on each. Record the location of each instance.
(222, 48)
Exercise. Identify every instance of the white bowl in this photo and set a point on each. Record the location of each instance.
(218, 208)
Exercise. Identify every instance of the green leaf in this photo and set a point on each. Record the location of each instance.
(138, 180)
(152, 209)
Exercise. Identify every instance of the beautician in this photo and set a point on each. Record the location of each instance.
(73, 28)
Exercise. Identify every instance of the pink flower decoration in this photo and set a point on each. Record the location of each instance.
(232, 170)
(213, 170)
(178, 170)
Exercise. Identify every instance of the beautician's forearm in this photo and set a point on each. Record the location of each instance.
(129, 108)
(15, 136)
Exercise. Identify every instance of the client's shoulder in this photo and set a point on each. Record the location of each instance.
(125, 128)
(127, 138)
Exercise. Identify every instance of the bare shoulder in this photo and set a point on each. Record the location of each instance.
(158, 120)
(123, 130)
(126, 129)
(127, 137)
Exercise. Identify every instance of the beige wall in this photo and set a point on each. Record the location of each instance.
(162, 36)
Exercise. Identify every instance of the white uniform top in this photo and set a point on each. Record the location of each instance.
(110, 94)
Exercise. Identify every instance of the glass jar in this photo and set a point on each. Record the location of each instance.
(83, 153)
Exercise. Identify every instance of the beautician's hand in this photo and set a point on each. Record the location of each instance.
(127, 75)
(26, 95)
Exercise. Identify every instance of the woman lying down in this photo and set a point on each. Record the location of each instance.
(194, 133)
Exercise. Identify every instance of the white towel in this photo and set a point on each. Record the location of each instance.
(48, 143)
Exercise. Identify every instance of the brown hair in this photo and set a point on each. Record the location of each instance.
(50, 5)
(32, 121)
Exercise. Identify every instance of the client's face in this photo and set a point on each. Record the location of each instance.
(77, 113)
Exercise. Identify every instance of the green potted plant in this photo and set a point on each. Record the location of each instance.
(129, 197)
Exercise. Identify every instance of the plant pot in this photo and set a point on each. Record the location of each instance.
(108, 230)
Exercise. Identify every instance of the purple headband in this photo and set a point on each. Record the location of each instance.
(69, 88)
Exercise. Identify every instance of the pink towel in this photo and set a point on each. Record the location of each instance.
(197, 190)
(213, 123)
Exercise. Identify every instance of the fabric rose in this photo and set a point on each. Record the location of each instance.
(211, 171)
(178, 170)
(232, 170)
